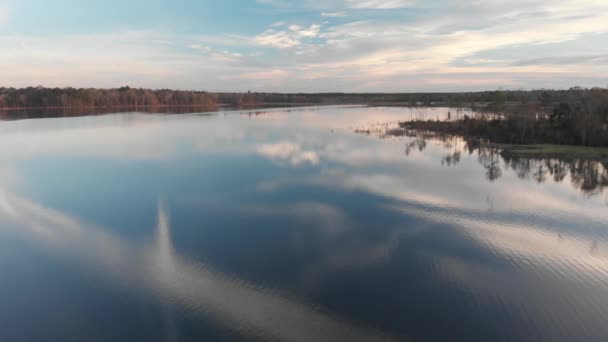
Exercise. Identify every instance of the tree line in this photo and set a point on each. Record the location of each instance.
(570, 117)
(491, 100)
(39, 97)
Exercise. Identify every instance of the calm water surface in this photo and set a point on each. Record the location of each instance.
(288, 225)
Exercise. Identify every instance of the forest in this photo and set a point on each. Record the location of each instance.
(39, 97)
(573, 117)
(499, 100)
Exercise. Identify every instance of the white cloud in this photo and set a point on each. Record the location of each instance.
(280, 39)
(379, 4)
(333, 14)
(312, 31)
(338, 4)
(218, 54)
(292, 37)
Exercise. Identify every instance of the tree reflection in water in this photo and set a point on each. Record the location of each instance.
(588, 176)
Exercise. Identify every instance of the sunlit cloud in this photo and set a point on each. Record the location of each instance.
(292, 36)
(333, 14)
(378, 4)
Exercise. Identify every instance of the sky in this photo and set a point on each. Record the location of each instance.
(305, 45)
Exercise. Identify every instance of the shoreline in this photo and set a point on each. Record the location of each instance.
(222, 105)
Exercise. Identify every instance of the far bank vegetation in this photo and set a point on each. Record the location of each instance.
(573, 117)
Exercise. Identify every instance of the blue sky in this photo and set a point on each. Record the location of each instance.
(305, 45)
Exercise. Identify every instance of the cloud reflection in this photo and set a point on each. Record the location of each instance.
(288, 152)
(194, 286)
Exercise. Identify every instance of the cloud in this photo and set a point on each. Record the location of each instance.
(338, 4)
(565, 60)
(4, 13)
(431, 50)
(218, 54)
(333, 14)
(280, 39)
(293, 36)
(259, 75)
(379, 4)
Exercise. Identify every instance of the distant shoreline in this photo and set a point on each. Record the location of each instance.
(104, 107)
(92, 98)
(204, 107)
(224, 105)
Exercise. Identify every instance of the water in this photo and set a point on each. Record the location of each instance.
(289, 225)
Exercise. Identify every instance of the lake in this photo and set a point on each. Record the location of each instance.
(291, 225)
